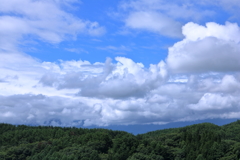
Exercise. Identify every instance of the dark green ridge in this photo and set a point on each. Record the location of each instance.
(205, 141)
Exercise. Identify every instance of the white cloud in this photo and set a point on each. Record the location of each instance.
(219, 102)
(154, 22)
(227, 32)
(44, 20)
(124, 79)
(205, 49)
(229, 84)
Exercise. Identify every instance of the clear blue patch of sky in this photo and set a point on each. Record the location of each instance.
(142, 47)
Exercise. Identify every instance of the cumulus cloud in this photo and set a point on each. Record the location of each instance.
(121, 80)
(44, 20)
(207, 48)
(210, 101)
(129, 79)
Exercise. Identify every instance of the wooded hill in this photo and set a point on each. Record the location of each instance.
(204, 141)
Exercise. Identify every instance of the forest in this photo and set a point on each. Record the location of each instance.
(203, 141)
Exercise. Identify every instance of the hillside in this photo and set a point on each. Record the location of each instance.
(204, 141)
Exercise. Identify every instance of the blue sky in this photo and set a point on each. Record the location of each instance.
(119, 63)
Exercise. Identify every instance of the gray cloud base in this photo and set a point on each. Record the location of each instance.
(117, 94)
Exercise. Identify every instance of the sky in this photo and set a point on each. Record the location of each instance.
(119, 63)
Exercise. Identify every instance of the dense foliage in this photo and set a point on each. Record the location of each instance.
(204, 141)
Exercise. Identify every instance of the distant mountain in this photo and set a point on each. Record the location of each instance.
(205, 141)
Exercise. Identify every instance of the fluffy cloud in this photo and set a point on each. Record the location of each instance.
(121, 80)
(215, 101)
(207, 48)
(33, 18)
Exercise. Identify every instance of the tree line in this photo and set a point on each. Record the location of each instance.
(204, 141)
